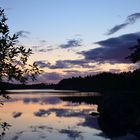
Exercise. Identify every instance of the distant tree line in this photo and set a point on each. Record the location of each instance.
(9, 86)
(105, 81)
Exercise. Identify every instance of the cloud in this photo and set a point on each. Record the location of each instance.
(63, 64)
(60, 64)
(45, 50)
(47, 77)
(117, 28)
(71, 43)
(50, 77)
(42, 63)
(40, 48)
(112, 50)
(43, 41)
(43, 46)
(131, 19)
(71, 71)
(23, 34)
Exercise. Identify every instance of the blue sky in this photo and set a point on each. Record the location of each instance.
(58, 21)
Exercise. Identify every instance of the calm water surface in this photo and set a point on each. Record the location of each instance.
(45, 116)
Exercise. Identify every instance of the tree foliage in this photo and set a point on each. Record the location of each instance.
(135, 55)
(13, 62)
(13, 58)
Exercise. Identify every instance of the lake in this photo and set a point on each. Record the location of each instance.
(44, 115)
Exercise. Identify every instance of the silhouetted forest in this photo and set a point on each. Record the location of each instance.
(105, 81)
(8, 86)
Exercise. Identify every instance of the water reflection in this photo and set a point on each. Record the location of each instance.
(16, 114)
(47, 100)
(45, 116)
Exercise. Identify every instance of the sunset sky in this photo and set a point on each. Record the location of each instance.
(76, 37)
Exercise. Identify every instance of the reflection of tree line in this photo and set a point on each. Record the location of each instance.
(119, 113)
(83, 99)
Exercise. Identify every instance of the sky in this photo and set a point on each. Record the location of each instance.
(75, 37)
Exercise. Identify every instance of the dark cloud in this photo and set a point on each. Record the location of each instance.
(113, 50)
(23, 34)
(131, 19)
(42, 64)
(117, 28)
(62, 64)
(71, 43)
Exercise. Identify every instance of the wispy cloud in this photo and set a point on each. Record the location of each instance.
(50, 77)
(71, 43)
(131, 19)
(42, 63)
(23, 34)
(117, 28)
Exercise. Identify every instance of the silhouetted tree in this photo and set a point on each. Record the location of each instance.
(13, 58)
(13, 61)
(135, 55)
